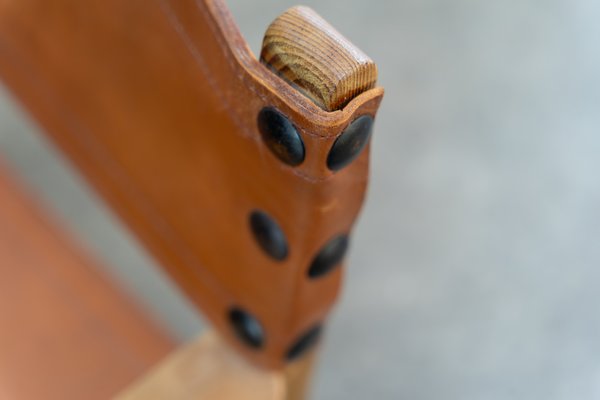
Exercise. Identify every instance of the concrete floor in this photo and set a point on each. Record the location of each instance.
(475, 269)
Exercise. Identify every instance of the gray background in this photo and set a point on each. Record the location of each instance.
(475, 267)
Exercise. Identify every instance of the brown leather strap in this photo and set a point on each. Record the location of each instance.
(157, 102)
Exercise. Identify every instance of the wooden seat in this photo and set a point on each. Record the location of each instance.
(66, 332)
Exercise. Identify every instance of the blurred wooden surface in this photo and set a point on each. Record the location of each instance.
(65, 331)
(208, 369)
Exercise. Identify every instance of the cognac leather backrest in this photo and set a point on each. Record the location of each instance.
(157, 103)
(66, 331)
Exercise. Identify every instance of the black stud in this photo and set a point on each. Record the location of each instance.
(302, 345)
(247, 328)
(329, 256)
(350, 143)
(281, 136)
(268, 235)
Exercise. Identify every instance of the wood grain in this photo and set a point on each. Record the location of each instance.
(310, 54)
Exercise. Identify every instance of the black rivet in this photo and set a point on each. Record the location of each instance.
(329, 256)
(281, 136)
(247, 327)
(350, 143)
(268, 235)
(306, 341)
